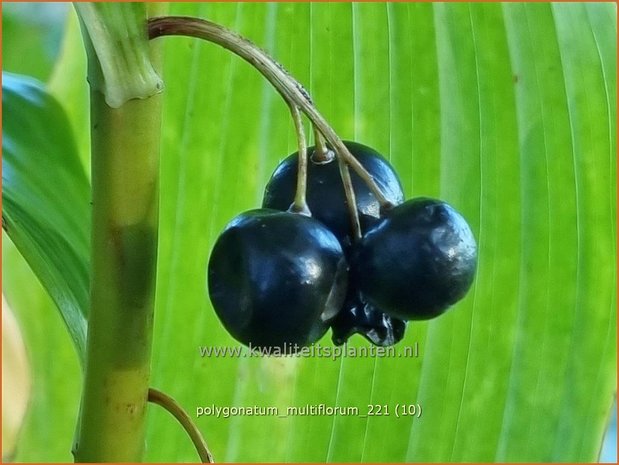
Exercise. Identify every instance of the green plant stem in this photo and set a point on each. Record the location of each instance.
(125, 124)
(125, 172)
(117, 49)
(157, 397)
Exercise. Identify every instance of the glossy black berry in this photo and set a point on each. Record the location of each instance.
(325, 193)
(327, 202)
(276, 278)
(417, 261)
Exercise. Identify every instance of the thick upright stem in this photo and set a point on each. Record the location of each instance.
(125, 171)
(125, 182)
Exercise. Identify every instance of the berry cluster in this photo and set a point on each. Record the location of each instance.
(279, 279)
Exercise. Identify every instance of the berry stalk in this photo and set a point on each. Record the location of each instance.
(300, 203)
(350, 198)
(321, 154)
(291, 90)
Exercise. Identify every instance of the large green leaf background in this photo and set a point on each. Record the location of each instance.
(507, 111)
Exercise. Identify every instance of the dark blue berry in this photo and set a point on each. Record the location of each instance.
(327, 202)
(325, 193)
(276, 278)
(417, 261)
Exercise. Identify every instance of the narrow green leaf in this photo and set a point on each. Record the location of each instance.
(45, 197)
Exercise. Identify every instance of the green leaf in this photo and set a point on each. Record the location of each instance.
(45, 197)
(507, 111)
(476, 104)
(36, 27)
